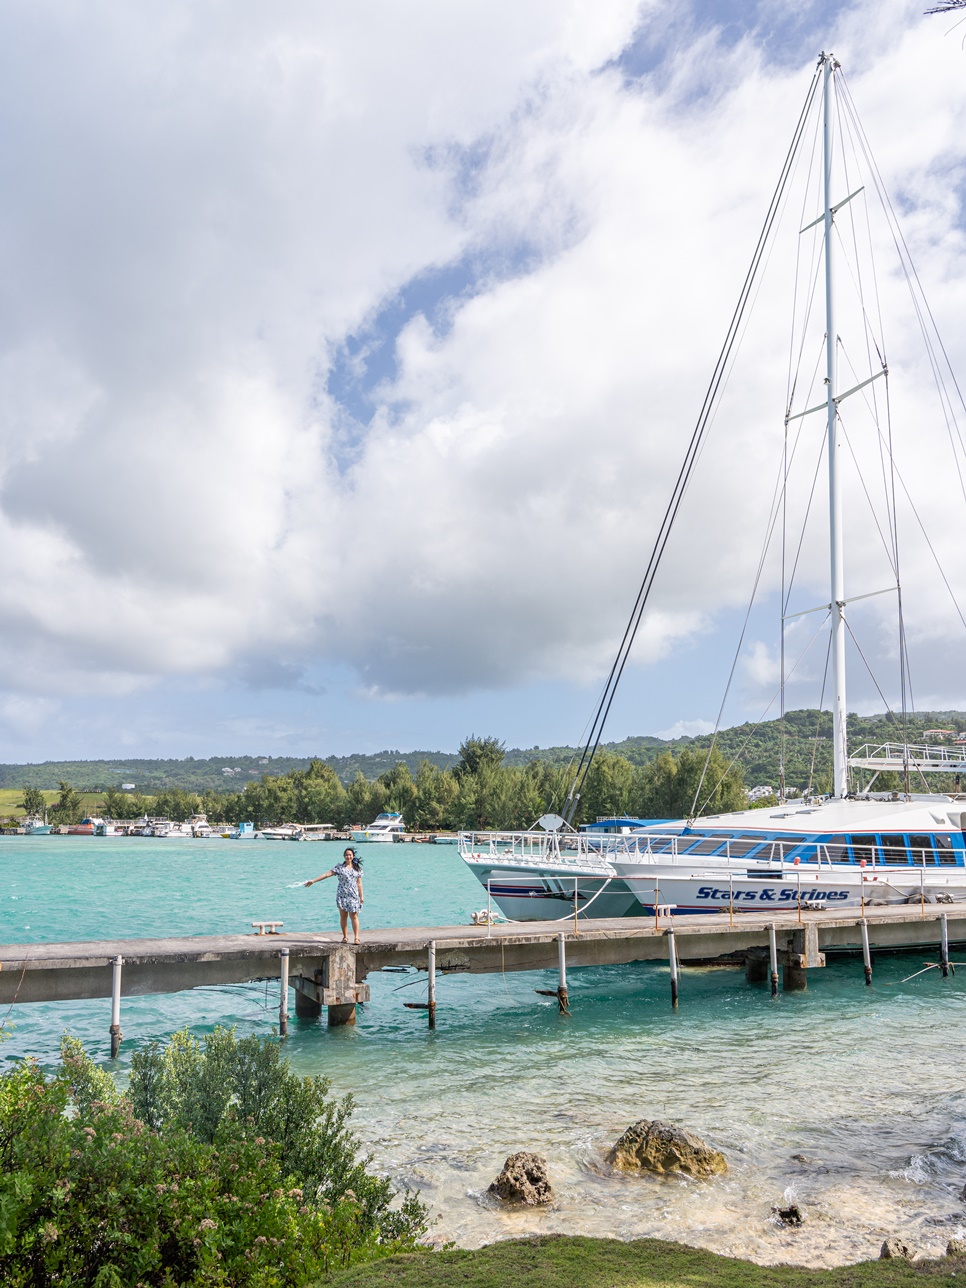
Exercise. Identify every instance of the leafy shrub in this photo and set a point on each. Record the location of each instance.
(220, 1167)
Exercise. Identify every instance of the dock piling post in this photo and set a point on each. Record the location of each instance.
(116, 1033)
(283, 994)
(866, 954)
(673, 960)
(563, 1000)
(431, 966)
(944, 947)
(773, 954)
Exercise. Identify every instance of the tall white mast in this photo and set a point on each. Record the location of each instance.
(839, 744)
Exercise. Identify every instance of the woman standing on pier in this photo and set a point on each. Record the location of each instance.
(349, 897)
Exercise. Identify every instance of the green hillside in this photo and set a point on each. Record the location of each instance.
(807, 752)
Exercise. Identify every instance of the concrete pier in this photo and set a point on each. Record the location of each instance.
(327, 973)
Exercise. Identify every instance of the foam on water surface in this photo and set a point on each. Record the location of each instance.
(848, 1098)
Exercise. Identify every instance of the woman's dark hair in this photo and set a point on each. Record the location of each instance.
(356, 861)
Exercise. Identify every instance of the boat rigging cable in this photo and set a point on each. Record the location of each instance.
(891, 476)
(705, 416)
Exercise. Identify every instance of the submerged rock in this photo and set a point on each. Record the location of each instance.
(524, 1179)
(791, 1215)
(956, 1248)
(894, 1249)
(659, 1147)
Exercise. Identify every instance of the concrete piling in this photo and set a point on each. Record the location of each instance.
(306, 1006)
(116, 1033)
(283, 994)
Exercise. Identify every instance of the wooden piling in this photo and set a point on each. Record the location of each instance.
(773, 956)
(116, 1033)
(866, 953)
(673, 960)
(431, 967)
(944, 947)
(283, 994)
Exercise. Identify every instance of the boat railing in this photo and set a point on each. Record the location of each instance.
(896, 755)
(595, 850)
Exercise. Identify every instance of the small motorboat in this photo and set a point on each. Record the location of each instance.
(243, 832)
(386, 827)
(284, 832)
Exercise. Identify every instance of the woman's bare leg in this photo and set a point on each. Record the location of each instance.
(355, 924)
(343, 922)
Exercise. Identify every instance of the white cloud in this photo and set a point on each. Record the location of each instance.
(686, 729)
(203, 203)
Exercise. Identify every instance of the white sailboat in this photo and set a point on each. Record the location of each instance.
(843, 851)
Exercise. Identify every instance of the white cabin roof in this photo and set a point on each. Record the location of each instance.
(920, 814)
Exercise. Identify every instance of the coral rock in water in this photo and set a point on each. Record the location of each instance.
(523, 1180)
(659, 1147)
(956, 1248)
(791, 1215)
(895, 1250)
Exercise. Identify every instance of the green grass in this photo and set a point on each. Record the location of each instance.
(11, 801)
(564, 1261)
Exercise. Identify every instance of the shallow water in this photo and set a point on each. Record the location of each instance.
(848, 1100)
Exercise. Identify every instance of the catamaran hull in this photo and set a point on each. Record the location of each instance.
(526, 894)
(747, 892)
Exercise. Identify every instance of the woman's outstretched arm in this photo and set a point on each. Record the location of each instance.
(321, 878)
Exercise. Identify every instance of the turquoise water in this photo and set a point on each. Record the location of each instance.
(849, 1100)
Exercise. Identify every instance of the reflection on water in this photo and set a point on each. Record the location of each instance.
(844, 1099)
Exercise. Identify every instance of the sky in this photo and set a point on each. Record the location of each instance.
(349, 352)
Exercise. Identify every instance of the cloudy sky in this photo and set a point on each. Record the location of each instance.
(348, 353)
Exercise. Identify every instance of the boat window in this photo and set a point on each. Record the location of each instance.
(944, 850)
(922, 848)
(864, 847)
(739, 847)
(782, 849)
(707, 845)
(892, 849)
(837, 850)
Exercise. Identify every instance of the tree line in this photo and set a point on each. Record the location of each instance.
(480, 791)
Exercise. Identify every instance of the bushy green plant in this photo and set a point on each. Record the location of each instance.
(221, 1167)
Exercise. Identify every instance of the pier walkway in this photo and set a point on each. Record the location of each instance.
(324, 972)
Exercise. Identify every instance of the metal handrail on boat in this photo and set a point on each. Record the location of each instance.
(593, 851)
(896, 755)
